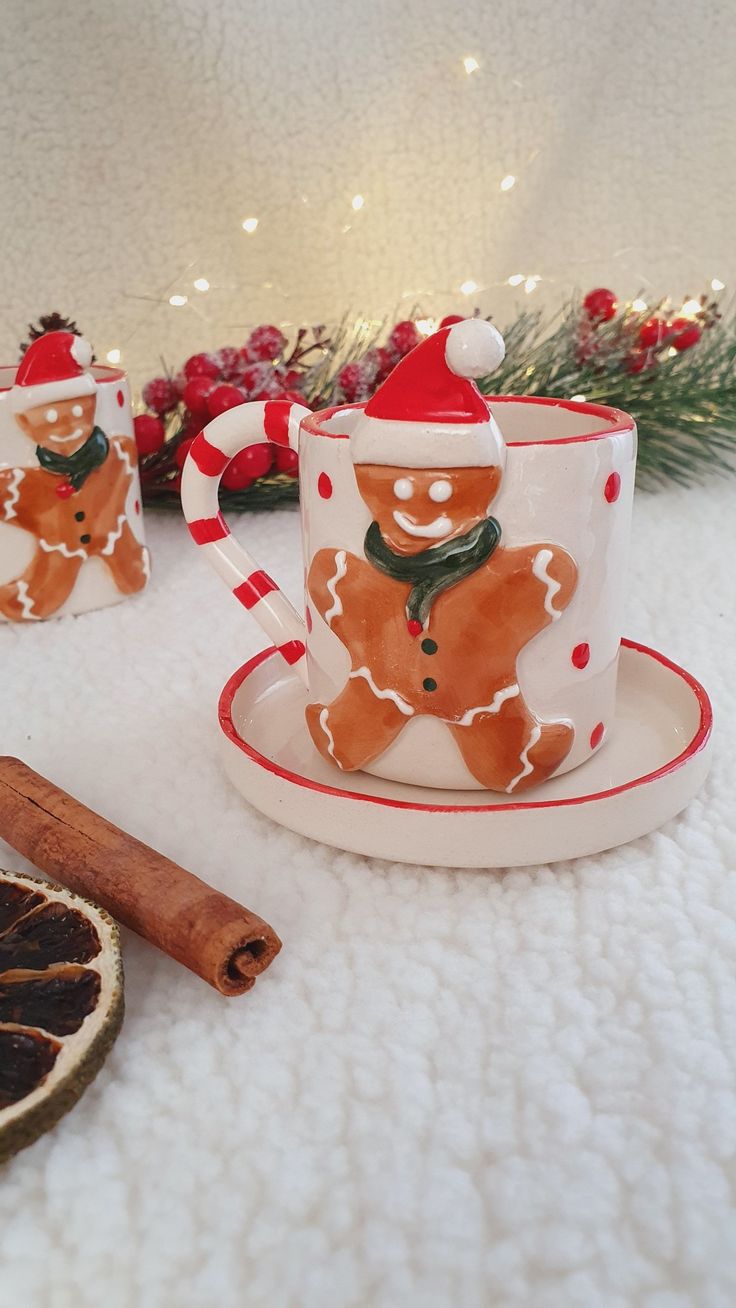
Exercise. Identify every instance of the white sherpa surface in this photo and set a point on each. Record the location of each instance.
(452, 1089)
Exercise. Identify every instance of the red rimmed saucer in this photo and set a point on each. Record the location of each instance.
(656, 759)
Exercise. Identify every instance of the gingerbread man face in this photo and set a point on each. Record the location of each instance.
(62, 426)
(416, 508)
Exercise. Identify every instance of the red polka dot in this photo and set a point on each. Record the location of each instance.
(308, 619)
(324, 486)
(137, 506)
(596, 735)
(120, 399)
(581, 655)
(612, 488)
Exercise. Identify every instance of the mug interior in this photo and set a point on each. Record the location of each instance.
(523, 420)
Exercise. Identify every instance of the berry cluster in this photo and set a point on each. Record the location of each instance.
(635, 342)
(209, 384)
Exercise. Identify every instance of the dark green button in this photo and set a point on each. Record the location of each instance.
(429, 683)
(79, 517)
(429, 646)
(86, 538)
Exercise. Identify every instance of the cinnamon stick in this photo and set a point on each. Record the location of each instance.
(208, 932)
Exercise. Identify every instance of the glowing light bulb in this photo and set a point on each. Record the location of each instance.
(201, 284)
(672, 352)
(426, 326)
(470, 64)
(579, 398)
(508, 181)
(249, 225)
(690, 308)
(357, 202)
(469, 287)
(177, 300)
(531, 284)
(638, 305)
(717, 284)
(516, 279)
(113, 356)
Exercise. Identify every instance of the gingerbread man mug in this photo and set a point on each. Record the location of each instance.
(465, 568)
(71, 532)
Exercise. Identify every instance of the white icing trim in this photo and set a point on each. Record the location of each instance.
(61, 548)
(524, 758)
(114, 536)
(68, 388)
(400, 703)
(499, 699)
(26, 601)
(427, 531)
(13, 493)
(335, 611)
(539, 568)
(330, 738)
(123, 455)
(146, 561)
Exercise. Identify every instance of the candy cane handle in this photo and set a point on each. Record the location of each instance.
(211, 451)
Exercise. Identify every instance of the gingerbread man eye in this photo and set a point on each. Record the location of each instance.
(51, 415)
(77, 410)
(403, 489)
(440, 491)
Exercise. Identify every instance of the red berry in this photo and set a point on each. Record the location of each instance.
(381, 362)
(195, 395)
(293, 379)
(353, 381)
(254, 377)
(404, 337)
(685, 333)
(179, 382)
(223, 398)
(638, 360)
(182, 450)
(266, 342)
(285, 460)
(451, 318)
(149, 433)
(201, 365)
(253, 462)
(652, 333)
(160, 395)
(229, 361)
(600, 304)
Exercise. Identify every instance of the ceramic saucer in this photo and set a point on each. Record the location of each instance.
(655, 761)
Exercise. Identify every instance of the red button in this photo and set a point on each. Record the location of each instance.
(64, 490)
(414, 627)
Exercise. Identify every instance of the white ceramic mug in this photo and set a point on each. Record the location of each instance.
(71, 524)
(550, 594)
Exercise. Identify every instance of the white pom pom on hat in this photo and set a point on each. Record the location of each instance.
(429, 413)
(54, 367)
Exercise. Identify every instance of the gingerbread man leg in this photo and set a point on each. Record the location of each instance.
(357, 726)
(128, 563)
(46, 583)
(511, 750)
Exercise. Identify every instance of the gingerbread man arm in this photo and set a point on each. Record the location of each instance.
(340, 585)
(541, 581)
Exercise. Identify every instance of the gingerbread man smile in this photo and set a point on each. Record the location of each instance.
(437, 611)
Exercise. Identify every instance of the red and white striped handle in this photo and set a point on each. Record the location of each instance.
(212, 450)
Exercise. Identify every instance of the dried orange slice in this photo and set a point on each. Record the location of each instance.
(61, 1003)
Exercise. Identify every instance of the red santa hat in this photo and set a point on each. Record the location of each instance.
(429, 413)
(54, 367)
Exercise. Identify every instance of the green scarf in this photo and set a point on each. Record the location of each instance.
(76, 467)
(433, 570)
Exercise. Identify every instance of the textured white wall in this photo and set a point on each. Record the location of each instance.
(135, 137)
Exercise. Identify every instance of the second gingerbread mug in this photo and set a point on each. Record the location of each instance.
(465, 566)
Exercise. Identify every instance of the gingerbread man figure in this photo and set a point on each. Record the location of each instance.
(436, 613)
(74, 502)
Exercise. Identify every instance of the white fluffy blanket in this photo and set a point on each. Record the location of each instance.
(452, 1089)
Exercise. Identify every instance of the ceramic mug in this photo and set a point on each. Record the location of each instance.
(71, 528)
(465, 568)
